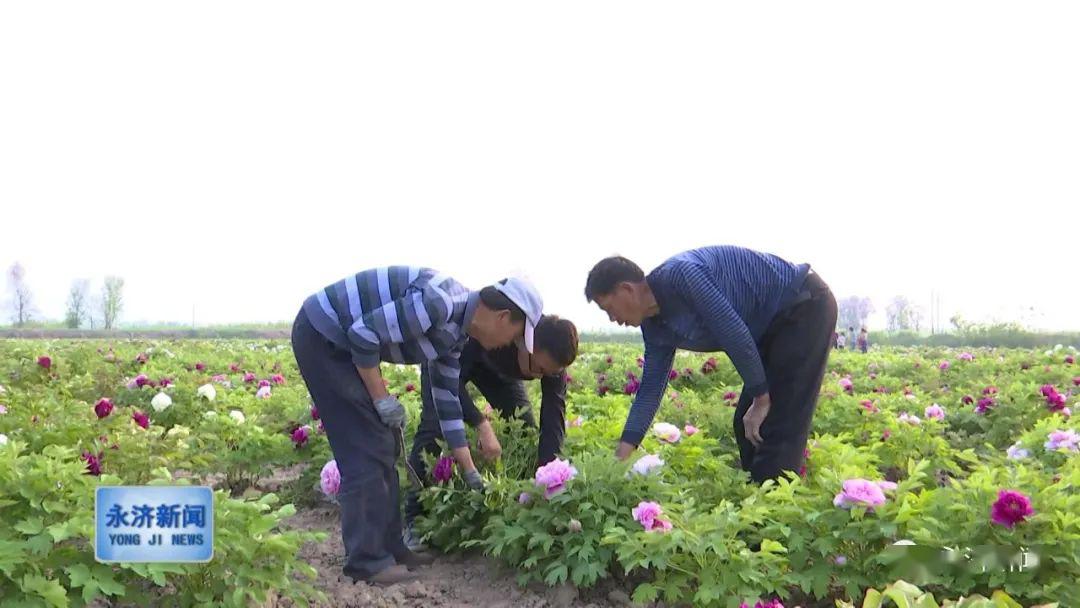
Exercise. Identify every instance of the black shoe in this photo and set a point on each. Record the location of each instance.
(392, 575)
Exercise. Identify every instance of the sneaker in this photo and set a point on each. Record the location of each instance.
(393, 575)
(411, 540)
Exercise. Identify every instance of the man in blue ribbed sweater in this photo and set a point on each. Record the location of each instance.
(773, 318)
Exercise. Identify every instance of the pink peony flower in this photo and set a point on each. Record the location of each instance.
(869, 406)
(990, 390)
(45, 361)
(330, 478)
(690, 430)
(553, 476)
(220, 378)
(640, 362)
(103, 407)
(944, 366)
(444, 469)
(3, 408)
(277, 379)
(141, 419)
(249, 377)
(1011, 508)
(1066, 440)
(524, 498)
(731, 396)
(859, 492)
(935, 412)
(322, 428)
(886, 434)
(967, 357)
(846, 384)
(410, 387)
(648, 515)
(300, 435)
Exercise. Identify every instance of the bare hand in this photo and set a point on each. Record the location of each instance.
(624, 450)
(755, 417)
(488, 442)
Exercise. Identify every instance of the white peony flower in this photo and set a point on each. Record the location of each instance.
(647, 464)
(263, 393)
(208, 392)
(238, 416)
(3, 439)
(667, 432)
(161, 402)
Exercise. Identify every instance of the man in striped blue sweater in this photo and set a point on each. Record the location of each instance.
(396, 314)
(773, 318)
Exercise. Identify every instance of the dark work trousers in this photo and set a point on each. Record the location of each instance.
(365, 450)
(507, 396)
(795, 351)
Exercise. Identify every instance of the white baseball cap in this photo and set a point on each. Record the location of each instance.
(523, 293)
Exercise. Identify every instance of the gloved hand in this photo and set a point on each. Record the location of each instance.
(474, 481)
(391, 412)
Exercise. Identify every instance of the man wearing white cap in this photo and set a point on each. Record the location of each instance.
(396, 314)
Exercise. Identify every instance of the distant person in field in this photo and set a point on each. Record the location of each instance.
(396, 314)
(773, 318)
(851, 337)
(835, 339)
(841, 341)
(864, 340)
(500, 375)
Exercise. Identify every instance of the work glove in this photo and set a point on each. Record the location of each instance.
(391, 412)
(474, 481)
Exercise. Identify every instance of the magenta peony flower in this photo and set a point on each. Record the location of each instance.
(45, 361)
(632, 387)
(410, 387)
(869, 406)
(249, 377)
(141, 419)
(859, 492)
(944, 366)
(968, 400)
(277, 379)
(673, 374)
(990, 390)
(330, 478)
(846, 384)
(93, 463)
(1011, 508)
(103, 407)
(731, 396)
(1069, 359)
(609, 360)
(1076, 381)
(200, 367)
(690, 430)
(141, 380)
(444, 469)
(984, 405)
(553, 476)
(264, 383)
(234, 367)
(648, 515)
(314, 412)
(300, 435)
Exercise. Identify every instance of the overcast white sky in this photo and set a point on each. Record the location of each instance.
(236, 156)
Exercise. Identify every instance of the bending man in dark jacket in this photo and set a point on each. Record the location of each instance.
(499, 374)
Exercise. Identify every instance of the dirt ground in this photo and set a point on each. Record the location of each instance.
(451, 582)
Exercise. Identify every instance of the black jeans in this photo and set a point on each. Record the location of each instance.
(365, 450)
(508, 397)
(795, 352)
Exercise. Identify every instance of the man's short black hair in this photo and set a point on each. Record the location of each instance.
(497, 300)
(608, 273)
(558, 337)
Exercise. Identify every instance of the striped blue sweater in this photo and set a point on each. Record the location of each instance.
(402, 314)
(711, 299)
